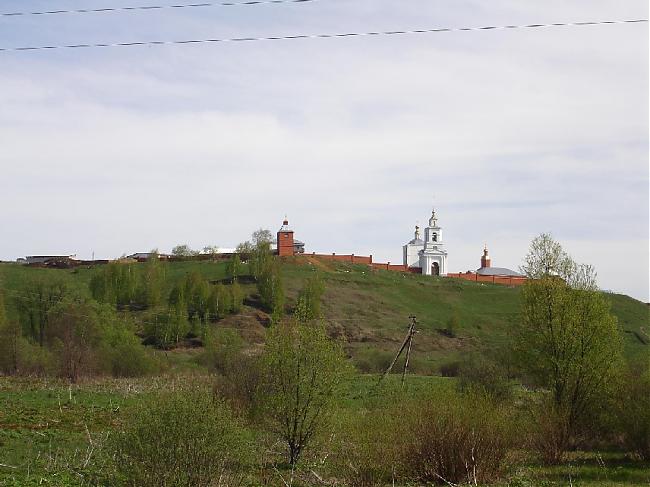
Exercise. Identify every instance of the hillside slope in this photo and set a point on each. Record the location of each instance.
(370, 309)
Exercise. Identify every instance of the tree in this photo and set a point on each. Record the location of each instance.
(237, 298)
(219, 302)
(303, 371)
(211, 250)
(153, 281)
(197, 293)
(308, 306)
(262, 236)
(271, 290)
(116, 284)
(10, 338)
(569, 343)
(35, 303)
(233, 267)
(183, 250)
(75, 331)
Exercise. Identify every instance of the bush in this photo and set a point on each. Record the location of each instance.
(373, 361)
(443, 438)
(478, 372)
(634, 410)
(450, 369)
(455, 438)
(122, 355)
(180, 439)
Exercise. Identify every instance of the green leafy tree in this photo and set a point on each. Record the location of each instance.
(197, 293)
(116, 283)
(233, 267)
(153, 281)
(35, 302)
(308, 306)
(75, 331)
(271, 290)
(219, 302)
(211, 250)
(10, 341)
(262, 236)
(236, 298)
(183, 250)
(568, 343)
(303, 371)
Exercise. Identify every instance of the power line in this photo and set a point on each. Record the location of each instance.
(152, 7)
(317, 36)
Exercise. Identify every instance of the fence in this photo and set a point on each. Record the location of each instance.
(505, 280)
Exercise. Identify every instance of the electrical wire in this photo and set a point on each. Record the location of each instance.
(152, 7)
(317, 36)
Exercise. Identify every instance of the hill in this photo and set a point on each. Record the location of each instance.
(369, 309)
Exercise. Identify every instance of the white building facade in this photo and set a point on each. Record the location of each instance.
(429, 254)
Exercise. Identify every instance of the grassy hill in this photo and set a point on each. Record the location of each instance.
(369, 309)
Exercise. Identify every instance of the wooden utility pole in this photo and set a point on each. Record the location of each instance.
(408, 341)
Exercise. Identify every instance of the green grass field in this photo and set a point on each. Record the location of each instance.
(369, 309)
(50, 432)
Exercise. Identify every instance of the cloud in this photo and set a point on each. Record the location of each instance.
(511, 133)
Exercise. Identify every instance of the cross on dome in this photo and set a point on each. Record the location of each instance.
(433, 220)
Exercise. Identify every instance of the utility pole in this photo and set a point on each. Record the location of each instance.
(407, 343)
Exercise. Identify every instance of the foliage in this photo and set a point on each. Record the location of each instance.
(196, 292)
(262, 236)
(219, 302)
(211, 250)
(121, 354)
(633, 409)
(153, 281)
(452, 326)
(35, 302)
(441, 437)
(237, 298)
(303, 370)
(309, 300)
(234, 267)
(238, 374)
(183, 250)
(479, 373)
(167, 328)
(128, 285)
(178, 439)
(271, 289)
(568, 341)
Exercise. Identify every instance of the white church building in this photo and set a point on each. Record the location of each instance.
(429, 254)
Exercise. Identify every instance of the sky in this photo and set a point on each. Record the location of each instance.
(508, 133)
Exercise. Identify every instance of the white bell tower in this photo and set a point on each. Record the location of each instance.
(433, 258)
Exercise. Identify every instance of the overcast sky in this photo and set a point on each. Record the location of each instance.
(509, 133)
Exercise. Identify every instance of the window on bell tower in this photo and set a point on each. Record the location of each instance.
(435, 237)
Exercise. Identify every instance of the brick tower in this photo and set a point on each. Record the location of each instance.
(285, 239)
(485, 258)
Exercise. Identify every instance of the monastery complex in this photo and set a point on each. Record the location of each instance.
(426, 256)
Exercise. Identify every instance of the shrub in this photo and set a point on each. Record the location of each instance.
(634, 410)
(373, 361)
(448, 437)
(121, 353)
(455, 438)
(178, 439)
(478, 372)
(303, 370)
(450, 369)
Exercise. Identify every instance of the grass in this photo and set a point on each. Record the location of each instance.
(369, 309)
(49, 430)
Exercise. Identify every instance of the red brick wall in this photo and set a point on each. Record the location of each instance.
(351, 258)
(285, 243)
(505, 280)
